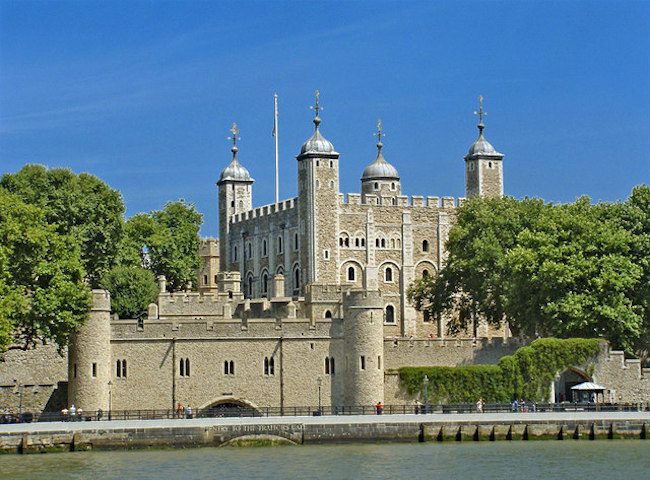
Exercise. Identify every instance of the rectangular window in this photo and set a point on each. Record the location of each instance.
(363, 362)
(94, 370)
(74, 370)
(205, 279)
(123, 368)
(379, 362)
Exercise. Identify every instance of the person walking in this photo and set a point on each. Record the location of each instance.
(380, 408)
(479, 405)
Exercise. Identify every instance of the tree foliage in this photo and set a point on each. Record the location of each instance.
(572, 270)
(81, 206)
(166, 242)
(42, 291)
(132, 290)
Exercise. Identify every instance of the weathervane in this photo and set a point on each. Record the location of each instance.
(316, 108)
(379, 134)
(235, 134)
(480, 113)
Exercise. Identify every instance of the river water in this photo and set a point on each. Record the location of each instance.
(611, 459)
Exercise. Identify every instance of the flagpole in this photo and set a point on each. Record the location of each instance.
(275, 134)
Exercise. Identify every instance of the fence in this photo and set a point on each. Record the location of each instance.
(445, 409)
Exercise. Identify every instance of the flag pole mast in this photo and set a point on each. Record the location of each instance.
(275, 134)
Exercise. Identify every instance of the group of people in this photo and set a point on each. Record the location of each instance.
(520, 406)
(72, 414)
(183, 412)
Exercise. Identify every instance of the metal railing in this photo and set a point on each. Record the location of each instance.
(298, 411)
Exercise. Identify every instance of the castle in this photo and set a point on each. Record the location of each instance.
(299, 302)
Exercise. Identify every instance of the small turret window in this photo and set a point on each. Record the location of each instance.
(331, 164)
(388, 274)
(228, 367)
(489, 164)
(351, 274)
(425, 245)
(295, 241)
(264, 248)
(269, 366)
(120, 371)
(390, 314)
(279, 244)
(265, 283)
(392, 186)
(328, 314)
(376, 186)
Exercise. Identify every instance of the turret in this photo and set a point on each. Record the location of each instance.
(483, 165)
(318, 188)
(89, 358)
(380, 178)
(235, 196)
(363, 328)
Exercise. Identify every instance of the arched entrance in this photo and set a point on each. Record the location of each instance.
(230, 407)
(567, 379)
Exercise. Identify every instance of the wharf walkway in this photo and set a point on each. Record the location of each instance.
(125, 434)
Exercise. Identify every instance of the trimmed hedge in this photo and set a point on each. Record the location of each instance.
(527, 373)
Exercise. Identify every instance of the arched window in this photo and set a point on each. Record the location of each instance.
(425, 245)
(347, 242)
(376, 186)
(232, 367)
(351, 274)
(184, 367)
(249, 289)
(228, 367)
(489, 164)
(356, 242)
(392, 186)
(425, 273)
(392, 243)
(390, 314)
(388, 274)
(383, 243)
(296, 278)
(394, 201)
(376, 242)
(363, 242)
(328, 314)
(265, 283)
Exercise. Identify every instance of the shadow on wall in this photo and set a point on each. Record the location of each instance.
(58, 399)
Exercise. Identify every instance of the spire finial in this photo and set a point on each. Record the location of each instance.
(481, 113)
(235, 136)
(316, 108)
(379, 134)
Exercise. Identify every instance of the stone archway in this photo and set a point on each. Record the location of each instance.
(230, 407)
(569, 378)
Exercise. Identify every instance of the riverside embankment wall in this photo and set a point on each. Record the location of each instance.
(53, 437)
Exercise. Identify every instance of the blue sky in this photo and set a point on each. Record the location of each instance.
(142, 94)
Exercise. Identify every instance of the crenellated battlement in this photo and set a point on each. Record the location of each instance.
(402, 201)
(265, 210)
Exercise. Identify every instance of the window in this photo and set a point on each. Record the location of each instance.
(328, 314)
(120, 370)
(326, 254)
(249, 289)
(295, 241)
(425, 245)
(205, 279)
(232, 203)
(264, 249)
(215, 278)
(379, 362)
(426, 316)
(347, 242)
(230, 294)
(376, 242)
(296, 279)
(317, 184)
(390, 314)
(489, 164)
(94, 370)
(362, 362)
(363, 242)
(329, 366)
(394, 201)
(228, 367)
(265, 283)
(392, 186)
(388, 274)
(351, 274)
(356, 242)
(331, 164)
(376, 186)
(318, 163)
(184, 367)
(392, 243)
(74, 370)
(234, 253)
(425, 273)
(383, 243)
(250, 250)
(269, 366)
(279, 244)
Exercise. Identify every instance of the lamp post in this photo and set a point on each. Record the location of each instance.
(319, 381)
(425, 381)
(110, 398)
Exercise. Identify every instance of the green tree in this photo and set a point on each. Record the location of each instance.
(132, 290)
(552, 270)
(42, 291)
(79, 205)
(166, 242)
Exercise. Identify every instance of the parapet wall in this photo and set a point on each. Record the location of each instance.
(402, 201)
(265, 210)
(625, 379)
(446, 353)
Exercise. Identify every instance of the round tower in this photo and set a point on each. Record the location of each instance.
(89, 358)
(363, 327)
